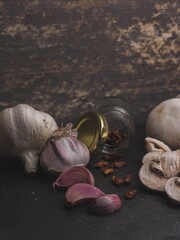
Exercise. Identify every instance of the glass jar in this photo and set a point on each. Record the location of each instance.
(109, 128)
(120, 123)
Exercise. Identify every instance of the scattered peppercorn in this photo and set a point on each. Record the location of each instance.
(130, 194)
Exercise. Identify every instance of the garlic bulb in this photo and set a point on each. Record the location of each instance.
(64, 150)
(23, 132)
(163, 122)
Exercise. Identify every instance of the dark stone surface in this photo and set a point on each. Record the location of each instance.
(31, 209)
(60, 57)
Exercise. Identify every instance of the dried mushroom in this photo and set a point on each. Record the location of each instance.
(151, 156)
(154, 145)
(158, 167)
(151, 175)
(172, 189)
(170, 161)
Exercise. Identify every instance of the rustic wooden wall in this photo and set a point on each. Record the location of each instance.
(61, 56)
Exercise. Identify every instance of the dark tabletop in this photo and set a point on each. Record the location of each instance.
(60, 57)
(31, 209)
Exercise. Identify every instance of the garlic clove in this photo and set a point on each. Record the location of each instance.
(107, 204)
(154, 145)
(81, 193)
(73, 175)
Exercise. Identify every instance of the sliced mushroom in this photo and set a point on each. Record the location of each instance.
(170, 163)
(172, 188)
(152, 156)
(154, 145)
(151, 176)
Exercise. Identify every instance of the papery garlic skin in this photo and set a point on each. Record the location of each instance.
(64, 152)
(24, 132)
(163, 123)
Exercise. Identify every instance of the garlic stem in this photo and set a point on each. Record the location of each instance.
(30, 161)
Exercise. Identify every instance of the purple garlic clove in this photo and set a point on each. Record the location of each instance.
(81, 193)
(73, 175)
(107, 204)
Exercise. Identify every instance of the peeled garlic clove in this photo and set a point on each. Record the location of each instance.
(152, 178)
(172, 189)
(107, 204)
(73, 175)
(81, 193)
(63, 153)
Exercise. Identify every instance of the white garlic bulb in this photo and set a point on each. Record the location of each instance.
(24, 132)
(163, 123)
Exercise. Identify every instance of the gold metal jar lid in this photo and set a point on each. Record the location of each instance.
(92, 130)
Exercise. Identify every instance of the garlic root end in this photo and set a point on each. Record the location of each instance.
(30, 161)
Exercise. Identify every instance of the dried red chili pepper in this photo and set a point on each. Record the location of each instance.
(130, 194)
(118, 164)
(127, 179)
(107, 171)
(101, 164)
(117, 181)
(111, 156)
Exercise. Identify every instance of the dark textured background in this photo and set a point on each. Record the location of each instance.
(60, 57)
